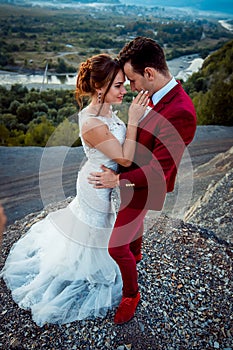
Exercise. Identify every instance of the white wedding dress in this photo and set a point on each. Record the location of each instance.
(60, 269)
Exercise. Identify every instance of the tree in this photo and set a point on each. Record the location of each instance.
(4, 134)
(9, 120)
(32, 96)
(38, 134)
(14, 106)
(19, 90)
(25, 112)
(16, 138)
(65, 112)
(61, 67)
(212, 88)
(66, 134)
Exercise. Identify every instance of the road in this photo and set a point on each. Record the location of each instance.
(33, 177)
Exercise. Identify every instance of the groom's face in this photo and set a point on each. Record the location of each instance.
(137, 81)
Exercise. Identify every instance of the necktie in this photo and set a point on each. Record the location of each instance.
(150, 104)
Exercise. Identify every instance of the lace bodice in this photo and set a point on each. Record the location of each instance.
(117, 128)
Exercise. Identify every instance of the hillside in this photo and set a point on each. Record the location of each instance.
(212, 88)
(213, 209)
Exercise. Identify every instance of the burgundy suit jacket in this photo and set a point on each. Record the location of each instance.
(161, 140)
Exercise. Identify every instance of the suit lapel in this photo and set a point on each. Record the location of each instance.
(167, 98)
(160, 106)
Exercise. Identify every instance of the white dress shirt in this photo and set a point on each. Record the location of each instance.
(162, 92)
(159, 95)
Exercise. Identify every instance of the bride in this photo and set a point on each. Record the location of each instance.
(60, 269)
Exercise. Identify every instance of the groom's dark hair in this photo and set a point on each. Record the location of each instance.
(143, 52)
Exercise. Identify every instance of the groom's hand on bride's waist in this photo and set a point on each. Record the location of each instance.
(105, 179)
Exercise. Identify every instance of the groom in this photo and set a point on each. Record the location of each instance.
(163, 134)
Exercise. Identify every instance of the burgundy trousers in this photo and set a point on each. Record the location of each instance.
(125, 243)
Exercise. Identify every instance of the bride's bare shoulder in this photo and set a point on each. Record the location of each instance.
(91, 122)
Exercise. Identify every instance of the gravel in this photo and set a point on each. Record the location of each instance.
(185, 280)
(212, 212)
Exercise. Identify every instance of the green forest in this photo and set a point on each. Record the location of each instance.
(30, 117)
(31, 36)
(211, 88)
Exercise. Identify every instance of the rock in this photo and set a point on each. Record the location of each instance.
(214, 210)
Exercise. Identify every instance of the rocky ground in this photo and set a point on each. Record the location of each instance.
(214, 209)
(185, 280)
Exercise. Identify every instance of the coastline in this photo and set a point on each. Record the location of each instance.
(224, 23)
(194, 67)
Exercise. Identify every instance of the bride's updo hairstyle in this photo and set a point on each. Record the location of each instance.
(96, 72)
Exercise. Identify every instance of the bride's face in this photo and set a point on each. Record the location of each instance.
(117, 89)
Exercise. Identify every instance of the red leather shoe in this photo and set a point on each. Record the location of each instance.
(126, 309)
(138, 257)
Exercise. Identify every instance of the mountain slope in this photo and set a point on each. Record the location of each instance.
(212, 88)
